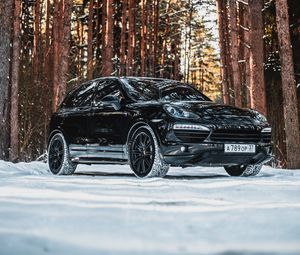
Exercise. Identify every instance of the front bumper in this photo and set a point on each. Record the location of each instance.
(212, 154)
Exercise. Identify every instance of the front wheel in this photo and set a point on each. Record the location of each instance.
(144, 154)
(58, 156)
(245, 171)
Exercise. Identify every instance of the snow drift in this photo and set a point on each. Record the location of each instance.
(106, 210)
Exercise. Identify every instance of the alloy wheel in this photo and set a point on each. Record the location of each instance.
(56, 155)
(142, 153)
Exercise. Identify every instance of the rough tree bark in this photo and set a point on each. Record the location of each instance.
(143, 35)
(98, 43)
(235, 53)
(177, 54)
(6, 14)
(15, 64)
(228, 54)
(56, 54)
(61, 40)
(90, 53)
(244, 52)
(246, 38)
(224, 71)
(164, 46)
(47, 70)
(122, 70)
(66, 37)
(108, 37)
(150, 23)
(37, 44)
(131, 37)
(290, 107)
(257, 83)
(155, 11)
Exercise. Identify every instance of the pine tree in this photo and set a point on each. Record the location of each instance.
(6, 14)
(256, 62)
(288, 86)
(15, 70)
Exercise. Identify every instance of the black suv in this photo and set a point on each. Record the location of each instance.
(153, 124)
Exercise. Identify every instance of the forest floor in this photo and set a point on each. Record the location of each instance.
(106, 210)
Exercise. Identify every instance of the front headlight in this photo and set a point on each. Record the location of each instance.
(179, 113)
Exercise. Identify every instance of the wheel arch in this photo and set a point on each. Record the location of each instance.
(54, 132)
(138, 125)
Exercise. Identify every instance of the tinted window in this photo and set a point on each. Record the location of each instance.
(81, 97)
(168, 90)
(107, 88)
(181, 93)
(140, 89)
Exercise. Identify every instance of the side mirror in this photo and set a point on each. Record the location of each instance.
(113, 101)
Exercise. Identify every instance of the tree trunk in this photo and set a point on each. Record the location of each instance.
(37, 44)
(56, 54)
(90, 53)
(108, 36)
(177, 54)
(235, 53)
(98, 45)
(15, 70)
(228, 54)
(288, 86)
(246, 37)
(222, 44)
(164, 46)
(6, 14)
(155, 35)
(65, 52)
(122, 70)
(61, 41)
(257, 83)
(143, 35)
(190, 6)
(150, 37)
(131, 37)
(47, 75)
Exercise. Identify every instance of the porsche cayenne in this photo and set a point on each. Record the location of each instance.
(152, 124)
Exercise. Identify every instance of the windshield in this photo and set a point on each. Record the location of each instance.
(159, 89)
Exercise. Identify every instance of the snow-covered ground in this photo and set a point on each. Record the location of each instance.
(106, 210)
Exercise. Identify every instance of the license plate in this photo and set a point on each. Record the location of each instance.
(239, 148)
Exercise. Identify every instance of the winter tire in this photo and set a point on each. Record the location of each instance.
(58, 156)
(144, 154)
(245, 171)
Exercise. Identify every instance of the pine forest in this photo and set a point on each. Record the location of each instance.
(240, 52)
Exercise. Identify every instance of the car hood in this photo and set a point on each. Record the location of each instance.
(216, 116)
(223, 116)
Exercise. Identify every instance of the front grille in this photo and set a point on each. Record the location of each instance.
(191, 136)
(235, 136)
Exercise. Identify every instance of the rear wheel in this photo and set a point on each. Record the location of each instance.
(58, 156)
(144, 154)
(245, 171)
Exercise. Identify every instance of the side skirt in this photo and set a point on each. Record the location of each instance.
(95, 154)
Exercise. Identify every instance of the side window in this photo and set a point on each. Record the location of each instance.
(81, 97)
(107, 88)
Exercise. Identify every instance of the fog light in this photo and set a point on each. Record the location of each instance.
(267, 130)
(183, 149)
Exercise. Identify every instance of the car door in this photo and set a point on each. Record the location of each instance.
(107, 124)
(76, 109)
